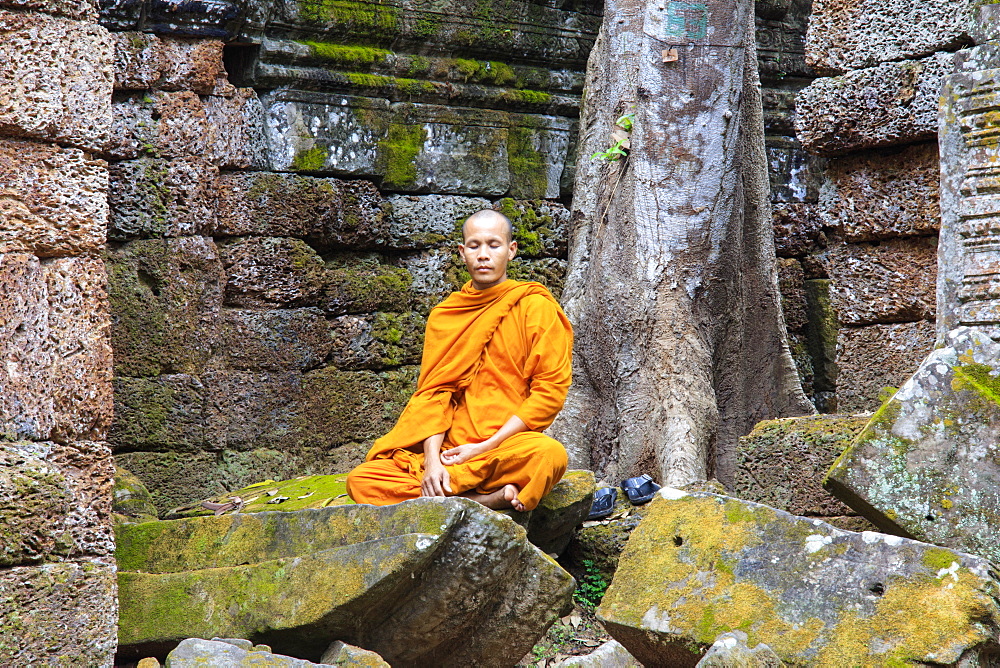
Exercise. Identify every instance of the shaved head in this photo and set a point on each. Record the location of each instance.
(489, 217)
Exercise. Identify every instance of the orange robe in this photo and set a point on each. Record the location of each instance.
(488, 355)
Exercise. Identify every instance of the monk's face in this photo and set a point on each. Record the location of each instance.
(486, 250)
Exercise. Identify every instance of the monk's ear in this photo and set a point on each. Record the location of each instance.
(513, 250)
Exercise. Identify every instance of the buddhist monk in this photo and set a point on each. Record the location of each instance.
(494, 373)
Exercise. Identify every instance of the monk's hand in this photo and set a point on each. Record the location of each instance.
(436, 480)
(463, 453)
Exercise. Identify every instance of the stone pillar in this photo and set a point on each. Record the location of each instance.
(57, 572)
(927, 465)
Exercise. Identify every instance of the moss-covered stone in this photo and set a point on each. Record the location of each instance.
(364, 284)
(131, 500)
(35, 502)
(399, 151)
(540, 226)
(551, 524)
(927, 463)
(277, 578)
(703, 564)
(378, 340)
(315, 491)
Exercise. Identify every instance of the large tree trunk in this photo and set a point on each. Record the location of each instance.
(672, 289)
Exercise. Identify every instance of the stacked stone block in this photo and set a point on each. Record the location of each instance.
(57, 573)
(867, 246)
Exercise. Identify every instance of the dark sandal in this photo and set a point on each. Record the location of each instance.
(640, 489)
(604, 503)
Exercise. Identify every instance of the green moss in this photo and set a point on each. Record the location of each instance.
(399, 151)
(360, 18)
(938, 558)
(311, 160)
(418, 66)
(980, 379)
(526, 96)
(822, 330)
(428, 24)
(352, 56)
(526, 163)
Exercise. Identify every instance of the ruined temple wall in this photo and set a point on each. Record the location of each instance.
(859, 262)
(57, 573)
(276, 244)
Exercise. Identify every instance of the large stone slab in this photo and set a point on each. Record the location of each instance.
(874, 357)
(58, 614)
(846, 36)
(276, 339)
(703, 564)
(53, 335)
(883, 194)
(423, 221)
(892, 281)
(144, 62)
(383, 578)
(53, 201)
(377, 340)
(781, 463)
(928, 463)
(57, 79)
(272, 271)
(893, 103)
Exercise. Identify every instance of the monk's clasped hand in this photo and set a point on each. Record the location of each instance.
(463, 453)
(436, 481)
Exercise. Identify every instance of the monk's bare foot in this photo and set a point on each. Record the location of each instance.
(503, 498)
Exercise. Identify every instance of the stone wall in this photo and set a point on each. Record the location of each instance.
(276, 244)
(57, 573)
(858, 255)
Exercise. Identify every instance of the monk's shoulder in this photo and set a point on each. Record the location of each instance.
(537, 307)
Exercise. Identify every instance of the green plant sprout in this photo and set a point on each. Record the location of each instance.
(622, 138)
(591, 586)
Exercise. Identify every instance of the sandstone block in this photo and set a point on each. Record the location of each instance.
(195, 653)
(847, 36)
(878, 356)
(889, 282)
(377, 340)
(883, 194)
(927, 464)
(275, 340)
(151, 197)
(272, 271)
(162, 413)
(226, 131)
(166, 297)
(244, 410)
(730, 649)
(781, 463)
(327, 212)
(53, 201)
(144, 61)
(34, 503)
(58, 614)
(365, 284)
(893, 103)
(340, 407)
(383, 578)
(798, 229)
(53, 336)
(561, 511)
(703, 564)
(540, 226)
(57, 79)
(422, 221)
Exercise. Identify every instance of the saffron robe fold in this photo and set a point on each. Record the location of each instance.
(488, 355)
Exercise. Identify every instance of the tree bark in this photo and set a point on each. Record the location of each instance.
(672, 286)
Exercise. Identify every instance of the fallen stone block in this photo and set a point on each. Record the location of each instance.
(58, 614)
(893, 281)
(883, 194)
(926, 466)
(872, 358)
(388, 579)
(704, 564)
(609, 655)
(54, 200)
(730, 651)
(197, 653)
(57, 79)
(342, 654)
(847, 36)
(893, 103)
(781, 463)
(550, 525)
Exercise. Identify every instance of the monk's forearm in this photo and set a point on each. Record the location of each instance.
(432, 448)
(514, 425)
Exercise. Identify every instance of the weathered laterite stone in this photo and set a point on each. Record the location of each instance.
(384, 578)
(928, 464)
(703, 564)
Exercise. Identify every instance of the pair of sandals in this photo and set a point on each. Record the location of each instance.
(639, 490)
